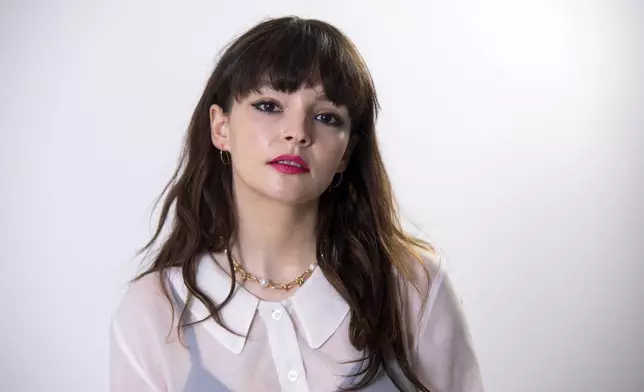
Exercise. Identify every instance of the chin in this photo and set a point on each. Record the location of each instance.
(288, 191)
(290, 197)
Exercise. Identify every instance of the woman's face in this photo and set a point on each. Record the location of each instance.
(284, 146)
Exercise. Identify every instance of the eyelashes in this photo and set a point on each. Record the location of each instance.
(267, 107)
(330, 119)
(271, 107)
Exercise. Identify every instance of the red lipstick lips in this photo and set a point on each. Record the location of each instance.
(290, 164)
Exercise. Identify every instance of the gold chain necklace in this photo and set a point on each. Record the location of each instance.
(267, 283)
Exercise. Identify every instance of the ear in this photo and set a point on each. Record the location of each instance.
(219, 128)
(353, 141)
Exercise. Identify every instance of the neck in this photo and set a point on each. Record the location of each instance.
(274, 240)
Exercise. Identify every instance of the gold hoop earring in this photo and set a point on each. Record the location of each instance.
(338, 184)
(221, 156)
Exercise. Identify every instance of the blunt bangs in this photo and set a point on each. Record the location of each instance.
(287, 54)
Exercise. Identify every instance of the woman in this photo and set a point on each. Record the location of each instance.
(286, 267)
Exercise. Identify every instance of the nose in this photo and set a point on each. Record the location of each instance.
(297, 131)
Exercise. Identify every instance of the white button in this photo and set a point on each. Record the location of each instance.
(277, 315)
(292, 375)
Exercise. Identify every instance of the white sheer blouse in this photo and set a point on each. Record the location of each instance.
(299, 344)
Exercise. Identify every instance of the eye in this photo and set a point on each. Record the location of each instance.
(267, 106)
(329, 119)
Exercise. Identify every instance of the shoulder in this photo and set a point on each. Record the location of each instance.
(145, 292)
(144, 304)
(424, 273)
(420, 284)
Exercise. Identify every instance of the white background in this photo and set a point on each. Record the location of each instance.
(513, 131)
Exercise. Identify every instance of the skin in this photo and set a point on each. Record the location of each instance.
(277, 212)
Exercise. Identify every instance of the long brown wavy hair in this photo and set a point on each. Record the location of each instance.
(363, 250)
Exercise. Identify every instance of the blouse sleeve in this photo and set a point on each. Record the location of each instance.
(138, 332)
(127, 374)
(446, 358)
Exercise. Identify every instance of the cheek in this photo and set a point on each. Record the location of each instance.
(334, 151)
(341, 143)
(247, 136)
